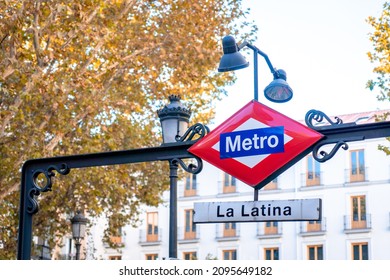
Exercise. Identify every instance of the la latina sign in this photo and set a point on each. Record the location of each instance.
(256, 211)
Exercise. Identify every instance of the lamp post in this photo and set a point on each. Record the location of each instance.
(277, 91)
(174, 119)
(79, 223)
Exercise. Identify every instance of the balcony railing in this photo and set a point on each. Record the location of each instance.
(313, 228)
(188, 236)
(224, 233)
(269, 230)
(358, 175)
(311, 179)
(183, 192)
(353, 223)
(146, 239)
(226, 189)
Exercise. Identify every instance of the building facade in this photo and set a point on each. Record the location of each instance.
(354, 187)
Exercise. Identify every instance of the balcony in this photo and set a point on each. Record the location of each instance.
(185, 237)
(266, 230)
(313, 228)
(273, 185)
(115, 242)
(146, 239)
(227, 232)
(227, 189)
(311, 179)
(354, 224)
(356, 175)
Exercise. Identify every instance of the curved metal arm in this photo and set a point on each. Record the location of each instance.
(256, 50)
(318, 117)
(191, 167)
(197, 129)
(322, 156)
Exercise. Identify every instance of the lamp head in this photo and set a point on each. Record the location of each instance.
(174, 119)
(232, 59)
(79, 223)
(278, 90)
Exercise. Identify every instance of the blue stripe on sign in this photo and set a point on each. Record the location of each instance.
(259, 141)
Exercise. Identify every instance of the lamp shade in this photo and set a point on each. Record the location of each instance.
(174, 119)
(79, 223)
(232, 59)
(278, 90)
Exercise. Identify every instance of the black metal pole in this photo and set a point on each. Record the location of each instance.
(173, 167)
(256, 97)
(78, 245)
(70, 249)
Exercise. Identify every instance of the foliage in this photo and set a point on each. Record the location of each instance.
(380, 38)
(87, 76)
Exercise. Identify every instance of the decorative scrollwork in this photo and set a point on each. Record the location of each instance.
(191, 167)
(318, 117)
(43, 184)
(63, 170)
(33, 207)
(197, 129)
(322, 156)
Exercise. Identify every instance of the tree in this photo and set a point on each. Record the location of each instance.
(87, 76)
(380, 38)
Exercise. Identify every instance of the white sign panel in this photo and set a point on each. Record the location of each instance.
(258, 211)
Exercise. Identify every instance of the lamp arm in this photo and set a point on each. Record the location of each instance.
(256, 50)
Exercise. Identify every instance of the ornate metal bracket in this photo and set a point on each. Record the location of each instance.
(318, 116)
(191, 167)
(193, 133)
(339, 133)
(197, 129)
(37, 189)
(322, 156)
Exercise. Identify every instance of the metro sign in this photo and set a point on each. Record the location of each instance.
(256, 143)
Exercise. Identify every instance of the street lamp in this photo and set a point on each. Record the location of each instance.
(174, 118)
(277, 91)
(79, 223)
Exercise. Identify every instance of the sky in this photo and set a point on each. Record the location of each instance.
(322, 45)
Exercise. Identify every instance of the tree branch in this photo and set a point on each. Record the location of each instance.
(36, 34)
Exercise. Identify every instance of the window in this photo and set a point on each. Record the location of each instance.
(313, 172)
(357, 173)
(360, 251)
(315, 252)
(190, 227)
(271, 253)
(152, 227)
(151, 257)
(271, 228)
(117, 237)
(189, 256)
(229, 229)
(229, 183)
(273, 185)
(314, 226)
(115, 258)
(229, 254)
(190, 185)
(359, 211)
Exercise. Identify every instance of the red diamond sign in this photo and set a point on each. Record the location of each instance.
(254, 143)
